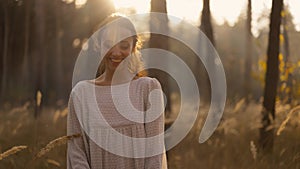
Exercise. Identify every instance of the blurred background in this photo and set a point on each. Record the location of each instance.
(257, 42)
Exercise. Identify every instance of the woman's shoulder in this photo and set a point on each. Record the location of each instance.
(79, 87)
(149, 82)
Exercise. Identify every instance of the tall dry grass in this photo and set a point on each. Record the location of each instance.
(232, 146)
(55, 143)
(19, 127)
(12, 151)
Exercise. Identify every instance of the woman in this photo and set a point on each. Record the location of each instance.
(120, 113)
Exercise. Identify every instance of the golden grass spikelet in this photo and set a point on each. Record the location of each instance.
(12, 151)
(283, 124)
(54, 143)
(239, 105)
(17, 128)
(38, 98)
(60, 114)
(228, 126)
(253, 150)
(64, 112)
(56, 116)
(53, 162)
(20, 109)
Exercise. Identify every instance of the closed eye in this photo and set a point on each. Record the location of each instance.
(124, 45)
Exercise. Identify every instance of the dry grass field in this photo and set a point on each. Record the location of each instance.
(232, 146)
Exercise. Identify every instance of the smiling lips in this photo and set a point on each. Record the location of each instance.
(116, 60)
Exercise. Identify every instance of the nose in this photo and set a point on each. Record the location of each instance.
(115, 51)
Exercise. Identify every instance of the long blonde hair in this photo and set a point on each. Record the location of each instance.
(136, 64)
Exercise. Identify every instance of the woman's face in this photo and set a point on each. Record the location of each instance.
(116, 53)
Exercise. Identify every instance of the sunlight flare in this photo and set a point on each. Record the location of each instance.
(140, 6)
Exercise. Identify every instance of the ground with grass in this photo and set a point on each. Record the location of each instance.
(232, 146)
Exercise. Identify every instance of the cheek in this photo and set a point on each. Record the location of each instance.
(105, 60)
(127, 52)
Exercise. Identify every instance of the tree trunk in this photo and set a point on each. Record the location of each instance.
(39, 51)
(5, 50)
(161, 42)
(271, 79)
(25, 66)
(206, 25)
(58, 53)
(249, 48)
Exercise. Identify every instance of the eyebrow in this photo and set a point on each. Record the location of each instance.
(124, 41)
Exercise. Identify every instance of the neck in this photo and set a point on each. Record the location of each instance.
(108, 75)
(121, 77)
